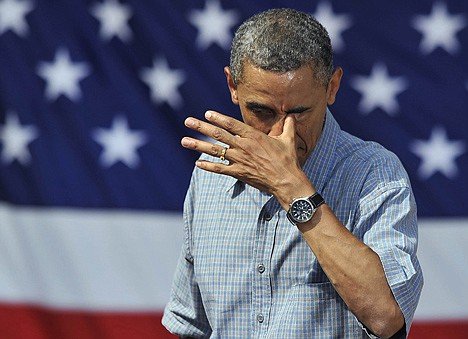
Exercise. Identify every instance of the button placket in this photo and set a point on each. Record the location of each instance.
(261, 292)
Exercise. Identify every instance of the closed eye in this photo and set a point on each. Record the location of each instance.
(298, 110)
(260, 110)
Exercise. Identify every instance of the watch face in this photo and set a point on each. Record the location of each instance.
(302, 210)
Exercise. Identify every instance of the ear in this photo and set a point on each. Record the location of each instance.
(334, 85)
(232, 86)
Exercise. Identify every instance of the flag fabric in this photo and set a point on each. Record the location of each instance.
(93, 95)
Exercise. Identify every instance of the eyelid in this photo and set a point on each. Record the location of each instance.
(256, 107)
(299, 110)
(260, 112)
(260, 109)
(302, 115)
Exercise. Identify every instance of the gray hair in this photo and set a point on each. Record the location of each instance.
(282, 40)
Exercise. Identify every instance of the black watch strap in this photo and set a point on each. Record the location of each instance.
(316, 200)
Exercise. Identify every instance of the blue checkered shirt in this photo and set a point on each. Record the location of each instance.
(246, 272)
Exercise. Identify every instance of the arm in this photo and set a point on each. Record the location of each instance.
(353, 268)
(356, 273)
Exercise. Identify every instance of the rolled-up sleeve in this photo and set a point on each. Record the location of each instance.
(184, 315)
(388, 223)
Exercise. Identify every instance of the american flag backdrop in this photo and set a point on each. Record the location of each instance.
(93, 95)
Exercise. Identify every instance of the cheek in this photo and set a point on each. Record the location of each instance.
(307, 134)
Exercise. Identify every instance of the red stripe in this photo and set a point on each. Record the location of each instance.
(453, 329)
(26, 322)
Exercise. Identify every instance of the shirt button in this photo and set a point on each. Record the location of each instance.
(261, 268)
(260, 318)
(267, 216)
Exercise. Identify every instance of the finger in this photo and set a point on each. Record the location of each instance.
(214, 132)
(230, 124)
(203, 147)
(289, 127)
(215, 167)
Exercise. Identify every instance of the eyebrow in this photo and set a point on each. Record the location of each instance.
(252, 105)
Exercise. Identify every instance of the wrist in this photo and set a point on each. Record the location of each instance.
(293, 187)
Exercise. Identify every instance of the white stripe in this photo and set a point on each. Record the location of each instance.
(125, 260)
(443, 253)
(87, 259)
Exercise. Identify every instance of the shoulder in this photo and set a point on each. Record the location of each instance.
(376, 166)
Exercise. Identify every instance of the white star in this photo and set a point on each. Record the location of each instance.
(438, 154)
(213, 24)
(119, 143)
(15, 139)
(379, 90)
(164, 82)
(439, 29)
(113, 18)
(334, 23)
(12, 16)
(62, 76)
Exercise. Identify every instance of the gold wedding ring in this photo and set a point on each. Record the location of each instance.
(223, 154)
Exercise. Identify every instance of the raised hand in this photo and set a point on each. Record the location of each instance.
(266, 162)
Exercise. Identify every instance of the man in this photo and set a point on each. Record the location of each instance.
(293, 228)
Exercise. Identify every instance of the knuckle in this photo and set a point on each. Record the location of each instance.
(195, 145)
(217, 133)
(197, 125)
(229, 124)
(214, 150)
(217, 168)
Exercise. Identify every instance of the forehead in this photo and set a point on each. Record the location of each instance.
(304, 75)
(294, 85)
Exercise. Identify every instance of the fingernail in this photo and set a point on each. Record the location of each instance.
(189, 122)
(186, 142)
(208, 114)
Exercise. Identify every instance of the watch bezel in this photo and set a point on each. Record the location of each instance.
(301, 210)
(313, 202)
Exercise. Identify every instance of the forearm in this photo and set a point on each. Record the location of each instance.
(352, 267)
(355, 271)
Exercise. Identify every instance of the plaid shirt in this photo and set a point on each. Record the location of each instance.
(246, 272)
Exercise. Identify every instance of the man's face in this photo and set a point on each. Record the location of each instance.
(266, 98)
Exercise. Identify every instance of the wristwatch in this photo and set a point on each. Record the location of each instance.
(302, 210)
